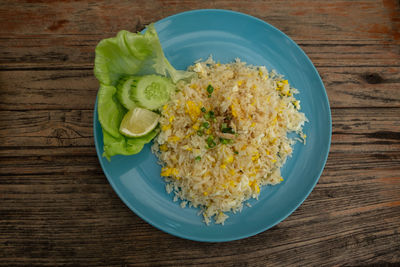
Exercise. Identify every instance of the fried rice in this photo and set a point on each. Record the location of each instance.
(224, 135)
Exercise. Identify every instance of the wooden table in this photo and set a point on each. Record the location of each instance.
(57, 208)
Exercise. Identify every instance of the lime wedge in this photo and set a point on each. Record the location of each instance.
(138, 122)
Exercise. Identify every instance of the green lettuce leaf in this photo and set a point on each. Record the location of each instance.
(127, 54)
(133, 54)
(110, 110)
(125, 146)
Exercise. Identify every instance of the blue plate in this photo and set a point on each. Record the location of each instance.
(226, 35)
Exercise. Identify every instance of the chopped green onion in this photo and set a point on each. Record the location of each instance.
(206, 125)
(224, 141)
(197, 158)
(210, 142)
(228, 130)
(236, 152)
(203, 109)
(200, 133)
(209, 115)
(210, 89)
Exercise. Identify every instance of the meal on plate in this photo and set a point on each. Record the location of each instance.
(220, 130)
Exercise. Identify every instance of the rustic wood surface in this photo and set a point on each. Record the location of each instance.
(57, 208)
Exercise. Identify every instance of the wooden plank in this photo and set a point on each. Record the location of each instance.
(57, 165)
(355, 168)
(50, 89)
(27, 151)
(47, 128)
(357, 164)
(362, 87)
(352, 247)
(64, 132)
(339, 20)
(60, 89)
(362, 130)
(338, 221)
(48, 51)
(65, 51)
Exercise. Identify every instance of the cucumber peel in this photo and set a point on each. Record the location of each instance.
(149, 91)
(124, 92)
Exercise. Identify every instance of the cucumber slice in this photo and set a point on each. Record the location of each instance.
(124, 91)
(152, 91)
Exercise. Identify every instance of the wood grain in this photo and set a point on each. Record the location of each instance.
(44, 89)
(57, 208)
(354, 130)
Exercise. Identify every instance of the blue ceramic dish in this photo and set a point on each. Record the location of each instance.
(226, 35)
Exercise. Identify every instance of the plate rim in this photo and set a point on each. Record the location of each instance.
(267, 226)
